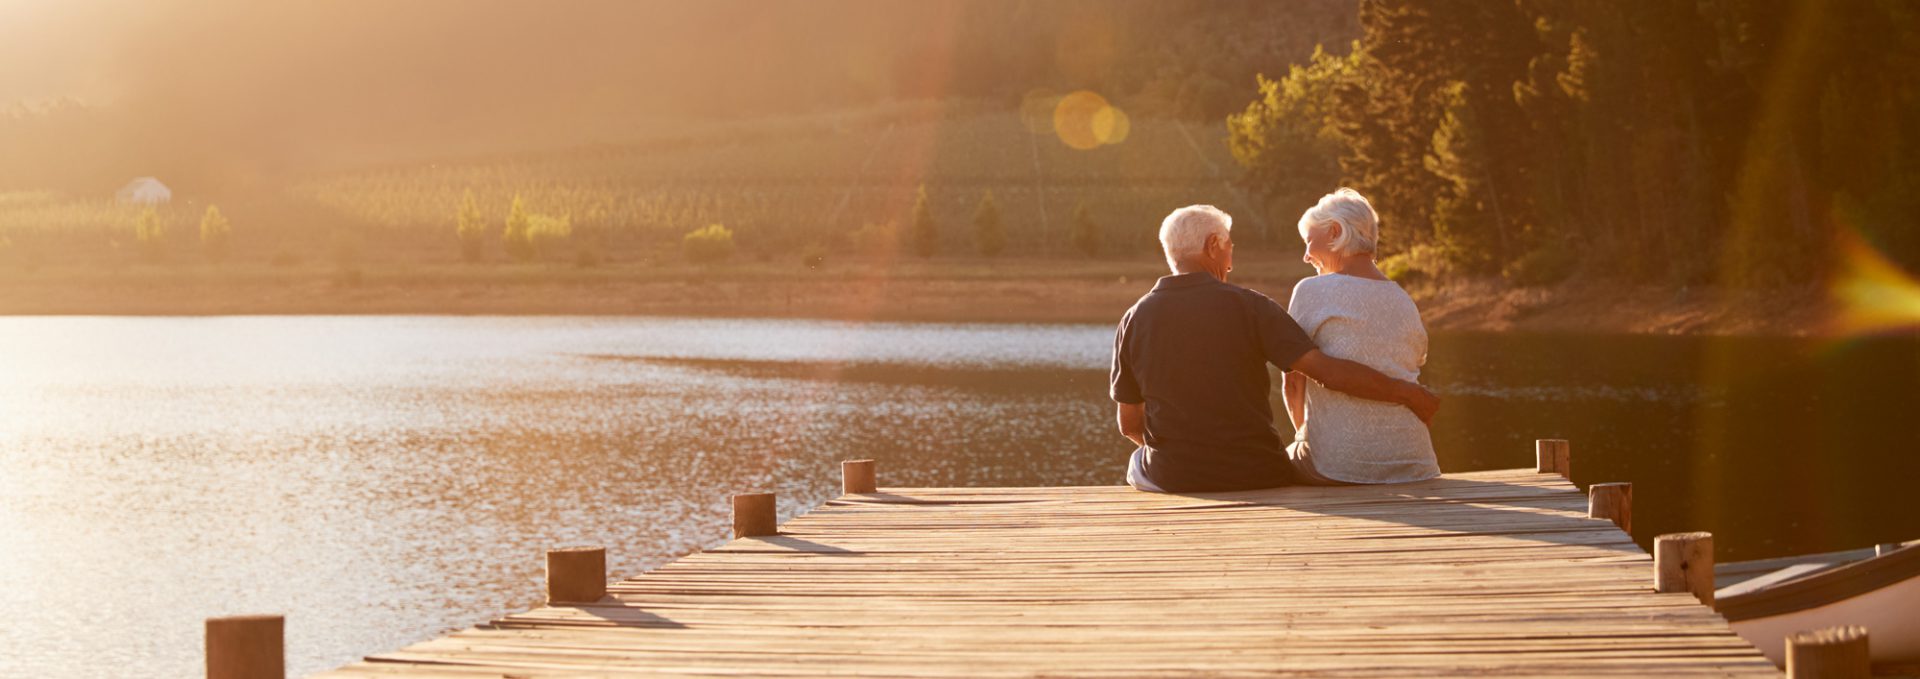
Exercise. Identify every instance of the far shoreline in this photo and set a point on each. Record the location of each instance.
(964, 291)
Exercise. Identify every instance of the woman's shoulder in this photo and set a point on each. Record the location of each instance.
(1337, 283)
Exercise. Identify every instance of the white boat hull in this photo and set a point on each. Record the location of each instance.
(1891, 615)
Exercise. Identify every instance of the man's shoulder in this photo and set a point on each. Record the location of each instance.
(1217, 290)
(1252, 296)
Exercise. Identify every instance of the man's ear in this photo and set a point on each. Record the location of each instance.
(1212, 245)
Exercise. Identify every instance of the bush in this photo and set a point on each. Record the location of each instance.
(1546, 265)
(875, 239)
(346, 249)
(813, 256)
(1086, 234)
(471, 228)
(708, 244)
(926, 234)
(544, 232)
(988, 233)
(151, 233)
(517, 238)
(1417, 264)
(215, 232)
(587, 258)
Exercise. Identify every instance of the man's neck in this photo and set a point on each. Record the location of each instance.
(1193, 269)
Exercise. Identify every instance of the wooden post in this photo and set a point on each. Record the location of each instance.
(1683, 562)
(1553, 456)
(753, 514)
(246, 647)
(1611, 501)
(857, 476)
(576, 575)
(1831, 653)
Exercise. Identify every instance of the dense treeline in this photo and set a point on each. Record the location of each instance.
(1732, 141)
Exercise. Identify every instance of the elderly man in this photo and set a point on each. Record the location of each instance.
(1190, 376)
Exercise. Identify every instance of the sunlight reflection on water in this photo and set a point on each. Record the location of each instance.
(381, 480)
(385, 479)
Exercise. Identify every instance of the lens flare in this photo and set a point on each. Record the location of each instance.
(1085, 121)
(1111, 125)
(1871, 295)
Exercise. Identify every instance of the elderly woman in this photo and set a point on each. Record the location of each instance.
(1353, 312)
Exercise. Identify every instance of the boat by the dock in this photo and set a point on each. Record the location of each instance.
(1877, 588)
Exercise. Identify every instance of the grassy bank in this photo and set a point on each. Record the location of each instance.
(945, 290)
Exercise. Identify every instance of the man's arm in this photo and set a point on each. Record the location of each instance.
(1293, 391)
(1359, 380)
(1133, 422)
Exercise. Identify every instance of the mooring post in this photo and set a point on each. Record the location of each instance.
(1683, 562)
(753, 514)
(246, 647)
(857, 476)
(1831, 653)
(576, 575)
(1611, 501)
(1553, 456)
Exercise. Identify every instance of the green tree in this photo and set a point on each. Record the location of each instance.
(1085, 233)
(517, 239)
(926, 234)
(216, 234)
(988, 233)
(1286, 138)
(151, 234)
(1461, 212)
(875, 239)
(545, 232)
(708, 244)
(472, 228)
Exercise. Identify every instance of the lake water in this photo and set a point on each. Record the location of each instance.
(382, 480)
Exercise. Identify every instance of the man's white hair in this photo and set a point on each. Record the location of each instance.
(1183, 234)
(1359, 226)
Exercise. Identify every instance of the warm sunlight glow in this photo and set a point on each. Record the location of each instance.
(1871, 295)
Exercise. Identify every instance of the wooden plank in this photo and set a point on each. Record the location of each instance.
(1485, 573)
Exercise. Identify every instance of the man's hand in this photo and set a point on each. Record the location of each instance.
(1359, 380)
(1133, 422)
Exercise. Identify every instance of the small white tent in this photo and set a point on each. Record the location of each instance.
(144, 191)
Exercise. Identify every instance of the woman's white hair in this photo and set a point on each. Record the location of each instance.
(1359, 226)
(1183, 234)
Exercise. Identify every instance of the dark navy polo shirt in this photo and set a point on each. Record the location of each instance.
(1194, 350)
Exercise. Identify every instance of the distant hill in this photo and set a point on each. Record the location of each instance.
(788, 183)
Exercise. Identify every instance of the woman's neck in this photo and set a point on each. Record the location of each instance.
(1358, 266)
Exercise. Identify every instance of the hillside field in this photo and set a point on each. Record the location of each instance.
(840, 186)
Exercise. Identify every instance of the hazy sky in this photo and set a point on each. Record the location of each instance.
(285, 83)
(54, 48)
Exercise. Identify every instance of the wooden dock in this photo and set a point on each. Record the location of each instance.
(1483, 573)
